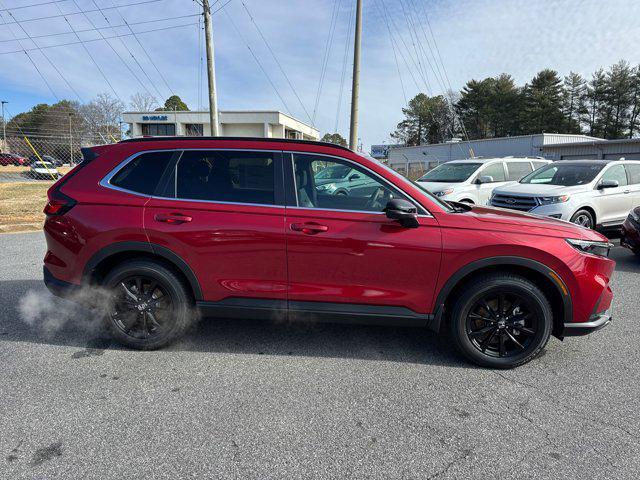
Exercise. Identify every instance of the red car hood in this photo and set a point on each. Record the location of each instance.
(534, 223)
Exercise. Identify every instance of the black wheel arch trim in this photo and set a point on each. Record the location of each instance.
(477, 265)
(145, 247)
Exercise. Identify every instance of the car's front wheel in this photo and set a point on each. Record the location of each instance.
(584, 218)
(149, 305)
(501, 320)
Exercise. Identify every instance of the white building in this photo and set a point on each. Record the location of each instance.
(428, 156)
(264, 124)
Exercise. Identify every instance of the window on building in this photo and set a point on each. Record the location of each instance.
(158, 129)
(143, 173)
(495, 171)
(226, 176)
(517, 170)
(336, 185)
(193, 129)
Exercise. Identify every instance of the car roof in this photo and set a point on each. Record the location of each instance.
(493, 159)
(584, 163)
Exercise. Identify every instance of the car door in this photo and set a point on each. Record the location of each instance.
(346, 257)
(222, 212)
(613, 203)
(496, 171)
(633, 174)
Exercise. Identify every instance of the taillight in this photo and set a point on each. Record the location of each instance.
(58, 203)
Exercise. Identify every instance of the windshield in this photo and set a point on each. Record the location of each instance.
(337, 171)
(450, 172)
(565, 174)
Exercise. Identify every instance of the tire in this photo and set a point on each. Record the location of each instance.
(584, 218)
(167, 306)
(529, 323)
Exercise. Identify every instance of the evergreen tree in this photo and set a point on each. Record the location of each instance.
(427, 120)
(542, 107)
(334, 138)
(618, 100)
(573, 101)
(595, 104)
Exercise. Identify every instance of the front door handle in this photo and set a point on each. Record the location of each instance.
(310, 228)
(627, 191)
(173, 218)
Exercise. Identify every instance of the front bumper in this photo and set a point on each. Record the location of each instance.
(630, 235)
(59, 288)
(595, 323)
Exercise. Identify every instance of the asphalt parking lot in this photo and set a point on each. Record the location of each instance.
(271, 400)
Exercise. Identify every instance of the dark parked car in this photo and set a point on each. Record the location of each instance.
(12, 159)
(631, 231)
(237, 228)
(33, 159)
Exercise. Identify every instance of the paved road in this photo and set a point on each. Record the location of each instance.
(252, 400)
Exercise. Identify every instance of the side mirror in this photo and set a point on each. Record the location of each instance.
(608, 184)
(403, 211)
(353, 176)
(484, 179)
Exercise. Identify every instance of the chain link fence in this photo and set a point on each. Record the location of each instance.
(29, 165)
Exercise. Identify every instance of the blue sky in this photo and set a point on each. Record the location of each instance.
(475, 38)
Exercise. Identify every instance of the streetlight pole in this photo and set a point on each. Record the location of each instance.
(4, 128)
(211, 69)
(355, 85)
(70, 142)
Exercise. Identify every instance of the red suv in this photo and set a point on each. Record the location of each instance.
(240, 227)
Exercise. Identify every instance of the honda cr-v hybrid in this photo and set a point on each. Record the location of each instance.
(242, 228)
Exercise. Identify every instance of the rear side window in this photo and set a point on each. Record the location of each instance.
(495, 171)
(633, 171)
(226, 176)
(143, 173)
(537, 165)
(517, 170)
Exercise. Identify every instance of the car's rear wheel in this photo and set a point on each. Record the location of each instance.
(501, 321)
(149, 304)
(584, 218)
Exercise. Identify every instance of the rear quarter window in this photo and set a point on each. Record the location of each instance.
(142, 174)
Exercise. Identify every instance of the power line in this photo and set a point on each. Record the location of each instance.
(121, 59)
(135, 36)
(277, 62)
(110, 27)
(80, 13)
(99, 39)
(233, 24)
(33, 5)
(327, 52)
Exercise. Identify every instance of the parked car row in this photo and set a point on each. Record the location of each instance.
(7, 159)
(18, 160)
(595, 194)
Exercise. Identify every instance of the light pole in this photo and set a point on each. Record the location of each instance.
(4, 128)
(70, 142)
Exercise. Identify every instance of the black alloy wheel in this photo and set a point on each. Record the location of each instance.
(150, 305)
(583, 218)
(501, 320)
(142, 307)
(502, 324)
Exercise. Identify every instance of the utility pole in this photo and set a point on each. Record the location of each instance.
(355, 87)
(211, 69)
(4, 129)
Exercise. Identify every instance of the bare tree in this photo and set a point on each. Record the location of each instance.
(143, 102)
(103, 113)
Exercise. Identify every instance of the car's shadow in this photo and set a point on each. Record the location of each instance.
(626, 260)
(31, 314)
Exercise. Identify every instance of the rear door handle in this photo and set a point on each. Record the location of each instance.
(173, 218)
(310, 228)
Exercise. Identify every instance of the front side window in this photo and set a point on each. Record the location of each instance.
(633, 169)
(495, 171)
(517, 170)
(347, 187)
(143, 173)
(226, 176)
(564, 173)
(450, 172)
(617, 173)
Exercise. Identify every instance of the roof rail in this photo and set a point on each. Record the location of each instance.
(246, 139)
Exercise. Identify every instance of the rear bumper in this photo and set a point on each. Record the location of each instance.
(595, 323)
(59, 288)
(630, 236)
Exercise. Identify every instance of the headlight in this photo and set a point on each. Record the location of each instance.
(600, 249)
(328, 186)
(635, 215)
(551, 200)
(442, 193)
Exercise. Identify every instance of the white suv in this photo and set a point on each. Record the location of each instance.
(591, 193)
(472, 180)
